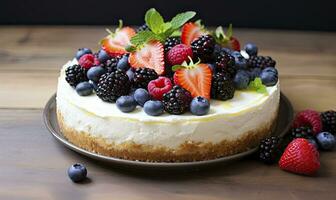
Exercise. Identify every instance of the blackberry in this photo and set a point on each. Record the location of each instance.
(261, 62)
(270, 150)
(222, 87)
(75, 74)
(111, 64)
(203, 48)
(142, 76)
(329, 121)
(177, 100)
(113, 85)
(224, 62)
(143, 27)
(301, 132)
(171, 42)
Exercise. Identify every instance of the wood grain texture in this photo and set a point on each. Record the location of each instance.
(33, 165)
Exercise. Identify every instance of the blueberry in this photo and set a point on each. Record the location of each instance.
(94, 73)
(241, 80)
(268, 77)
(82, 51)
(251, 49)
(153, 108)
(199, 106)
(77, 172)
(326, 140)
(141, 96)
(227, 50)
(123, 63)
(130, 74)
(103, 56)
(212, 67)
(271, 69)
(254, 73)
(84, 88)
(94, 85)
(126, 103)
(313, 142)
(236, 54)
(240, 63)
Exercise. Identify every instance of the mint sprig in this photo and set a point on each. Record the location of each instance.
(256, 85)
(159, 29)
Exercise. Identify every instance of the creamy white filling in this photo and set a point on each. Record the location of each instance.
(226, 120)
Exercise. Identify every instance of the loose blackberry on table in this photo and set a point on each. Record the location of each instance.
(177, 100)
(261, 62)
(75, 74)
(269, 150)
(142, 76)
(222, 87)
(203, 48)
(329, 121)
(113, 85)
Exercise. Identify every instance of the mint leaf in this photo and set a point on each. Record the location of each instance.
(154, 20)
(165, 26)
(256, 85)
(143, 37)
(181, 18)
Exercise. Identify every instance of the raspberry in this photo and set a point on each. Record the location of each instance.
(87, 61)
(178, 54)
(96, 61)
(158, 87)
(308, 118)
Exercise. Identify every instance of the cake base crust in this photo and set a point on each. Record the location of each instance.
(188, 151)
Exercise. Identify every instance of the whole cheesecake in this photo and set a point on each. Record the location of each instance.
(229, 126)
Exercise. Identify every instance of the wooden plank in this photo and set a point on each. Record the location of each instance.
(33, 166)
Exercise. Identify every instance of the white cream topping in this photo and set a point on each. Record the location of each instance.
(226, 120)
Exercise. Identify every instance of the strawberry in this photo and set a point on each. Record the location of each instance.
(234, 44)
(115, 43)
(226, 39)
(300, 157)
(151, 55)
(191, 31)
(196, 78)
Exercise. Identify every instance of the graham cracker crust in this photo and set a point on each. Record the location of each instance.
(188, 151)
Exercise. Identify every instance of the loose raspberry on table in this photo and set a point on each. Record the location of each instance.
(309, 118)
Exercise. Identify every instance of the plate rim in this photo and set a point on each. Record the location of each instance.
(119, 161)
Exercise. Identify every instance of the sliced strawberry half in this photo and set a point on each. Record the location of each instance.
(191, 31)
(151, 55)
(196, 79)
(114, 44)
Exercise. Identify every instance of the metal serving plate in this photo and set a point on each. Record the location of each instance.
(285, 117)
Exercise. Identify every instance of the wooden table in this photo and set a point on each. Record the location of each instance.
(33, 165)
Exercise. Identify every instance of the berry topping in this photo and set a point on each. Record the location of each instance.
(153, 108)
(222, 87)
(111, 64)
(123, 63)
(149, 56)
(226, 39)
(269, 76)
(171, 42)
(203, 47)
(326, 140)
(115, 43)
(94, 73)
(199, 106)
(141, 96)
(254, 73)
(142, 76)
(251, 49)
(126, 104)
(329, 121)
(178, 54)
(309, 118)
(82, 51)
(159, 86)
(77, 172)
(176, 101)
(113, 85)
(241, 80)
(103, 56)
(87, 61)
(75, 74)
(300, 157)
(224, 61)
(196, 78)
(84, 88)
(191, 31)
(260, 61)
(270, 150)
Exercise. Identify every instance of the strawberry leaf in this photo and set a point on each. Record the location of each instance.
(154, 20)
(219, 33)
(143, 37)
(256, 85)
(177, 67)
(181, 19)
(229, 32)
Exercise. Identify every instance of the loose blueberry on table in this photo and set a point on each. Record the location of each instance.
(77, 172)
